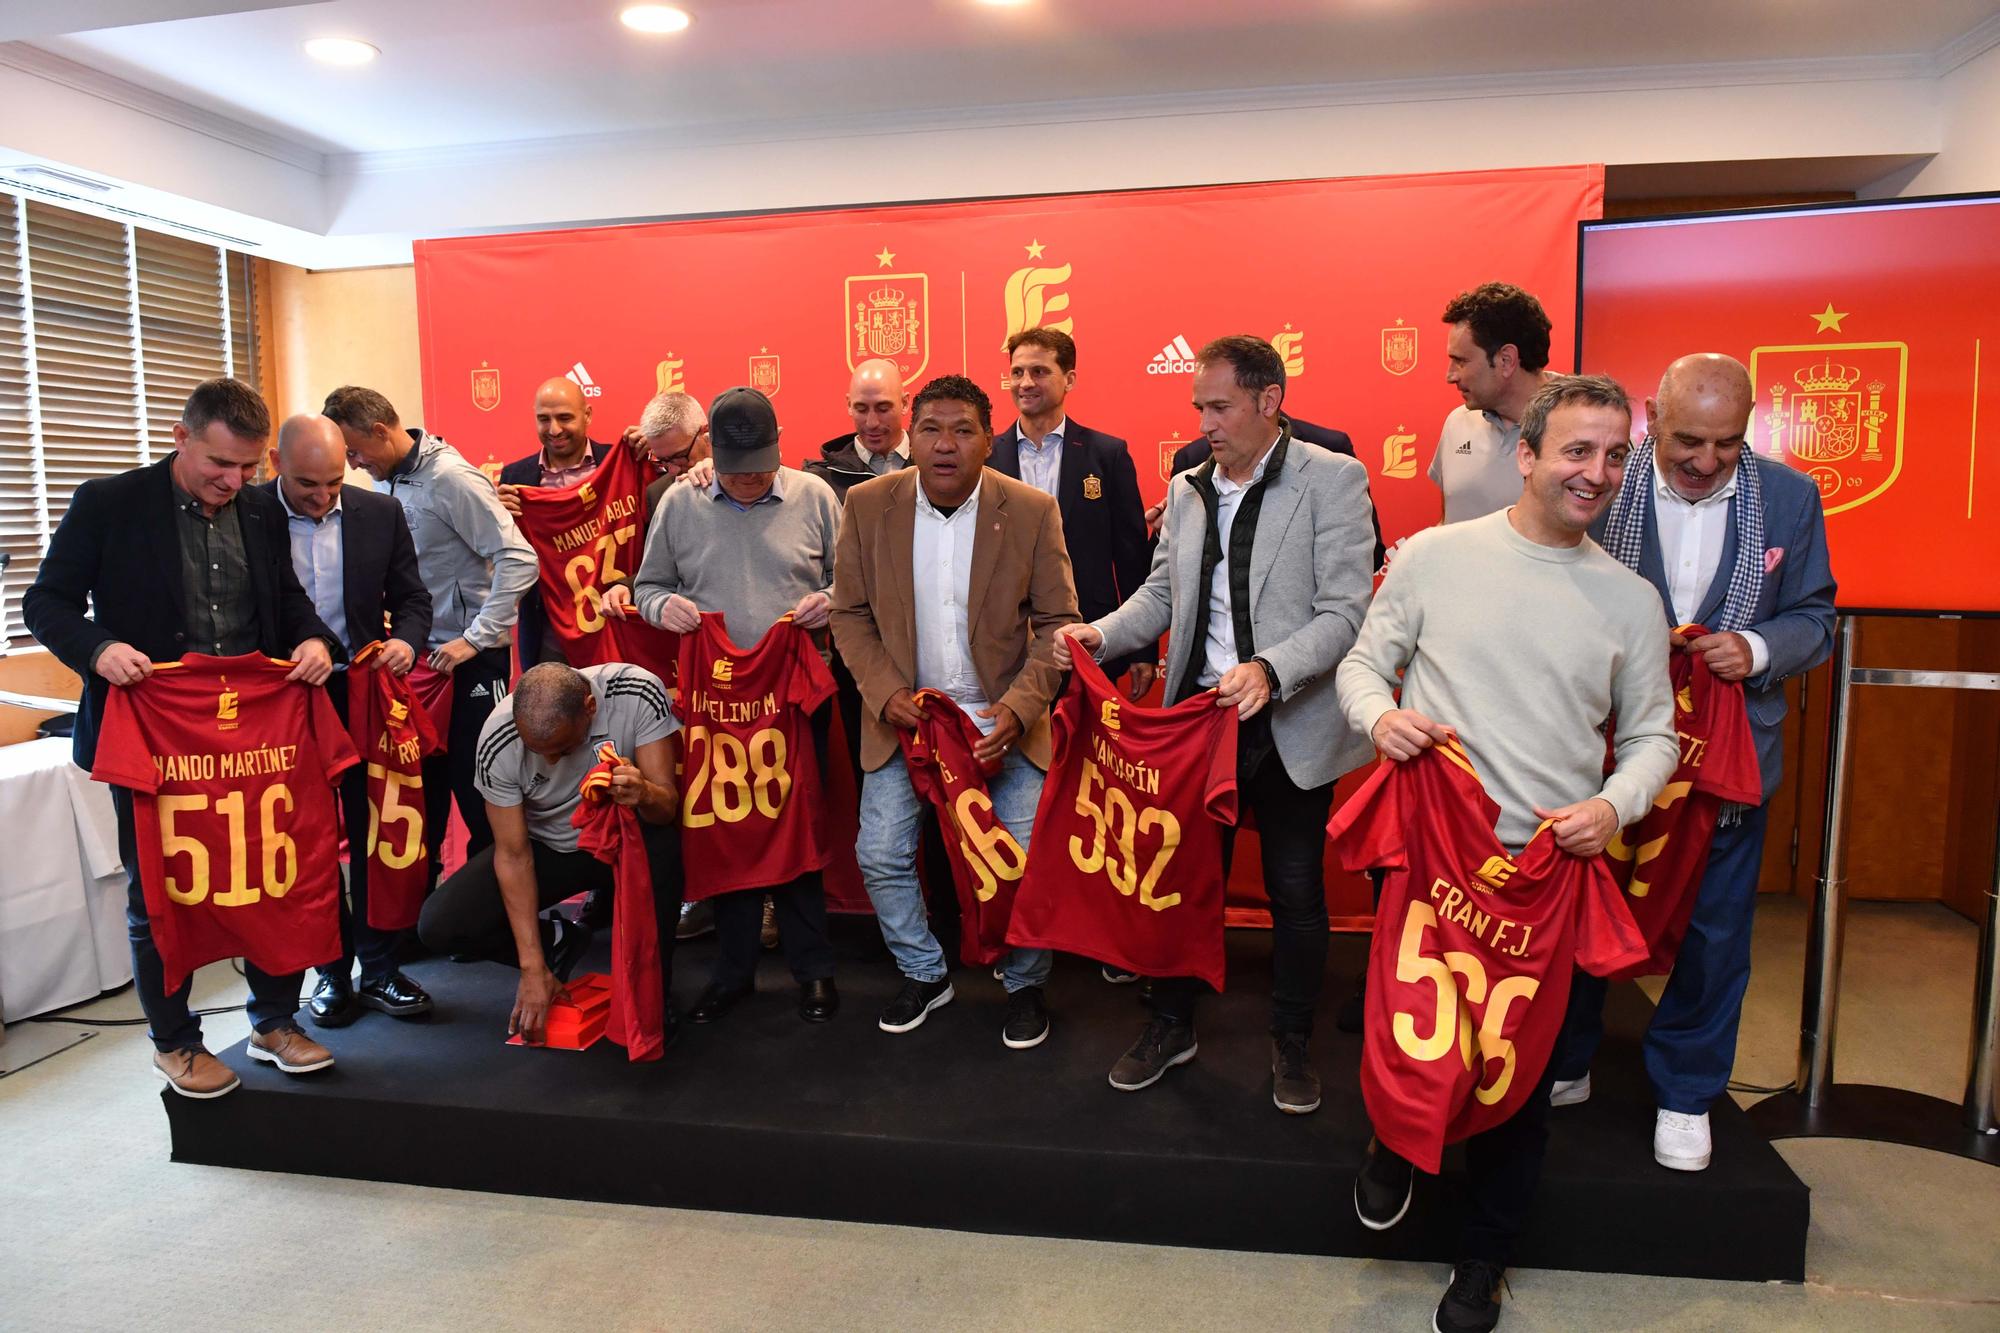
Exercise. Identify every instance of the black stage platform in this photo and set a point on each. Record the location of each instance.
(945, 1127)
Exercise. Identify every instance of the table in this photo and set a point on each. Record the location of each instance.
(62, 886)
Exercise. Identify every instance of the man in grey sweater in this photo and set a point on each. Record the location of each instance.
(755, 544)
(1517, 634)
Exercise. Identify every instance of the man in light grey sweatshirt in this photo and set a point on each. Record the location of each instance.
(1517, 634)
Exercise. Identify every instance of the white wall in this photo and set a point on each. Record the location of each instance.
(1968, 160)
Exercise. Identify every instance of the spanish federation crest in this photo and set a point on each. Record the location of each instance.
(1399, 349)
(764, 374)
(1093, 487)
(889, 315)
(485, 388)
(1168, 448)
(1834, 411)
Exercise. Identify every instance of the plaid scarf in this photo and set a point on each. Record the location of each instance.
(1632, 516)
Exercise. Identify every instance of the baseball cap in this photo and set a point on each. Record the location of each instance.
(743, 431)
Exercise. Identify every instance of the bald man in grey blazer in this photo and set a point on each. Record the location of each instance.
(1261, 580)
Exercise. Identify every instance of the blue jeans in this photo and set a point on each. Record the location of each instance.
(1691, 1043)
(891, 816)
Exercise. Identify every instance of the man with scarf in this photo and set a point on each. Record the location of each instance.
(1736, 543)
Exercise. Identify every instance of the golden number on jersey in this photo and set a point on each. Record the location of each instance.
(1116, 824)
(1451, 1023)
(280, 860)
(736, 777)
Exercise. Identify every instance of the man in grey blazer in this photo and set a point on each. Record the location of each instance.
(1261, 580)
(1749, 564)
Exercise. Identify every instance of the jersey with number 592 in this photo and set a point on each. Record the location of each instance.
(231, 769)
(1126, 863)
(393, 732)
(752, 813)
(1469, 969)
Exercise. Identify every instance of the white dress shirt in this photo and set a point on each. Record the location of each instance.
(320, 562)
(1041, 464)
(1221, 643)
(1692, 534)
(941, 580)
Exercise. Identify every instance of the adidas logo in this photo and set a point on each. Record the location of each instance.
(1176, 358)
(581, 378)
(1464, 447)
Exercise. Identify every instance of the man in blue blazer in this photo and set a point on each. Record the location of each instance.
(1091, 477)
(1737, 544)
(352, 550)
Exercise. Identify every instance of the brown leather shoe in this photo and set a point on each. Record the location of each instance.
(195, 1073)
(290, 1050)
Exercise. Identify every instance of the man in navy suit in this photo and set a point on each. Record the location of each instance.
(1091, 477)
(568, 455)
(352, 550)
(1737, 544)
(183, 556)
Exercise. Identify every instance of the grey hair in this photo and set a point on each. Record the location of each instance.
(1564, 391)
(547, 698)
(667, 412)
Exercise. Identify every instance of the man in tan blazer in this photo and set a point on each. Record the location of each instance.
(953, 578)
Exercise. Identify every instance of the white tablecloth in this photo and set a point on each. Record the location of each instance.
(62, 888)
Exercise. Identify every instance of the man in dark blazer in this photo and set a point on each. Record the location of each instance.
(1751, 567)
(1196, 452)
(1091, 478)
(352, 551)
(182, 556)
(567, 456)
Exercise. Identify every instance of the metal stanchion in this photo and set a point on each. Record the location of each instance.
(1818, 1107)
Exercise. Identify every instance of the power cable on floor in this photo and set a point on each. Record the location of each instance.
(58, 1015)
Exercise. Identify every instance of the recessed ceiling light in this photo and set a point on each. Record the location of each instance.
(654, 18)
(340, 50)
(1003, 4)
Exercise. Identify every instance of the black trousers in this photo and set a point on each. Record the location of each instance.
(475, 688)
(1291, 829)
(169, 1021)
(800, 907)
(1503, 1169)
(375, 948)
(467, 917)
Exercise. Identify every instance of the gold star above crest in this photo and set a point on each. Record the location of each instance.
(885, 258)
(1288, 326)
(1034, 249)
(1829, 318)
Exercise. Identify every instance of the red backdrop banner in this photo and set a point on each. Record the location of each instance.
(1864, 329)
(1346, 277)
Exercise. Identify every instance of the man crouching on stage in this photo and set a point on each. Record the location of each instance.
(533, 753)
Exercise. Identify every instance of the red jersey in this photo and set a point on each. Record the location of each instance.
(1660, 860)
(610, 832)
(586, 538)
(231, 769)
(392, 732)
(751, 811)
(432, 689)
(1470, 966)
(1130, 791)
(986, 862)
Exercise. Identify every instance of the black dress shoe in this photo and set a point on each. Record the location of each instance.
(714, 1003)
(332, 1004)
(395, 995)
(818, 1000)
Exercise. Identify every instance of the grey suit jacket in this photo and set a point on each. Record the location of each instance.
(1310, 582)
(1795, 613)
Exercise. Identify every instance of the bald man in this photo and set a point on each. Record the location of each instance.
(1737, 544)
(355, 559)
(877, 404)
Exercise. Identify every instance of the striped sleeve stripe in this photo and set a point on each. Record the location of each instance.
(504, 736)
(653, 696)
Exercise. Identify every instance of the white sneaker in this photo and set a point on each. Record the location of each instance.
(1570, 1091)
(1680, 1141)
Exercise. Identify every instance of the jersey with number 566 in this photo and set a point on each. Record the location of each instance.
(752, 814)
(1469, 969)
(231, 769)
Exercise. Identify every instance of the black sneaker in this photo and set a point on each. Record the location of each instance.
(913, 1004)
(1382, 1190)
(1294, 1085)
(596, 911)
(1163, 1043)
(1027, 1019)
(395, 995)
(1471, 1303)
(566, 950)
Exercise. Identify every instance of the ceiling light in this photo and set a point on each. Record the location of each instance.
(654, 18)
(1003, 4)
(340, 50)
